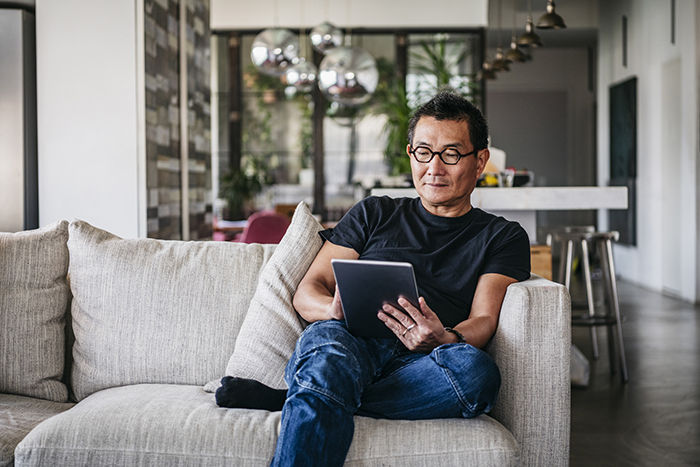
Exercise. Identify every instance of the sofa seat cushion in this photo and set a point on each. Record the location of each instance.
(155, 311)
(33, 304)
(181, 425)
(18, 415)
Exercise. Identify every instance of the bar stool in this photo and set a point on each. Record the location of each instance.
(612, 318)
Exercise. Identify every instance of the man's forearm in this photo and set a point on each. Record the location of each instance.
(312, 301)
(476, 331)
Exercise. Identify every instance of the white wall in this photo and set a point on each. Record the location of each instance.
(666, 255)
(87, 113)
(243, 14)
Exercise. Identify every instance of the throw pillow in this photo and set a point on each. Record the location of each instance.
(155, 311)
(271, 327)
(33, 305)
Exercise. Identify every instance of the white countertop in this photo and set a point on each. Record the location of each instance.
(535, 198)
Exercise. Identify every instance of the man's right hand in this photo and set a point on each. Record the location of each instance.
(335, 309)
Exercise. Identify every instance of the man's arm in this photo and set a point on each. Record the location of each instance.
(315, 299)
(486, 307)
(421, 330)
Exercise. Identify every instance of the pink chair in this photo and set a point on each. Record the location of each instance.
(264, 227)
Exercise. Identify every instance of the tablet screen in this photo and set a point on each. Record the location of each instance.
(365, 286)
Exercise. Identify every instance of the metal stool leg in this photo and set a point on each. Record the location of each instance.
(562, 262)
(612, 352)
(589, 295)
(616, 308)
(569, 261)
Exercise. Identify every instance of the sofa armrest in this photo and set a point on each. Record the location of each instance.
(531, 347)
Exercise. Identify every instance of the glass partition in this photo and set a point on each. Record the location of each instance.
(268, 137)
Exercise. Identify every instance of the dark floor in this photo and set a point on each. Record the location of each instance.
(654, 420)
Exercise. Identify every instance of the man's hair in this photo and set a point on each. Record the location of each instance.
(447, 105)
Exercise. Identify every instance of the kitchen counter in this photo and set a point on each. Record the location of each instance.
(521, 204)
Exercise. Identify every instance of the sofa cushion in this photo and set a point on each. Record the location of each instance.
(33, 305)
(18, 415)
(155, 311)
(271, 327)
(181, 425)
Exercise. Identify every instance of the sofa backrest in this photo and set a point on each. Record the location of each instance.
(155, 311)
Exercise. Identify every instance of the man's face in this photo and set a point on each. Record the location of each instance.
(445, 189)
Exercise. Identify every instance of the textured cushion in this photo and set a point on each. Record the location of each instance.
(181, 425)
(33, 304)
(531, 348)
(18, 415)
(271, 327)
(155, 311)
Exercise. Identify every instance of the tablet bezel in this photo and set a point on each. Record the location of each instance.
(364, 285)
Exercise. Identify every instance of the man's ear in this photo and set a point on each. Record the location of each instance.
(482, 157)
(408, 150)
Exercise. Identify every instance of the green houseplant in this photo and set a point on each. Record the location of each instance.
(435, 61)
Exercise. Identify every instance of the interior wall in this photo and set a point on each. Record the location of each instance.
(87, 113)
(650, 54)
(542, 114)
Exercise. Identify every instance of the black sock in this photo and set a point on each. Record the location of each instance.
(241, 393)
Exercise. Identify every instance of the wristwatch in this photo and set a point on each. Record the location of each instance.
(460, 337)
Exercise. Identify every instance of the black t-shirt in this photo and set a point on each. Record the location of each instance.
(448, 254)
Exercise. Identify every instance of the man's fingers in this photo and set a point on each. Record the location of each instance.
(425, 309)
(392, 323)
(412, 311)
(402, 318)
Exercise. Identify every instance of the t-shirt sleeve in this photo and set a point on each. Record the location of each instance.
(352, 230)
(509, 254)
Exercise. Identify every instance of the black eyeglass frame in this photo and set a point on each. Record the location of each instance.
(412, 151)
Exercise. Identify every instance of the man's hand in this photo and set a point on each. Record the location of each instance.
(335, 309)
(419, 330)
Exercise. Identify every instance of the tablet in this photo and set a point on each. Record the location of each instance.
(365, 286)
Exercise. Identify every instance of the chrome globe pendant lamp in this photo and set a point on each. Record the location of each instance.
(348, 75)
(274, 49)
(529, 38)
(326, 35)
(551, 20)
(302, 74)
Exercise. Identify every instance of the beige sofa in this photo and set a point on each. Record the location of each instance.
(153, 325)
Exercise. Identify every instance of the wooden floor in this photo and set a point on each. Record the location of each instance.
(654, 420)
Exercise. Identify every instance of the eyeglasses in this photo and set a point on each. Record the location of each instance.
(449, 156)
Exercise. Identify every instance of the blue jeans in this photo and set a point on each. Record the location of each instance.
(334, 375)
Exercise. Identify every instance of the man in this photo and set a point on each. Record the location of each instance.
(464, 260)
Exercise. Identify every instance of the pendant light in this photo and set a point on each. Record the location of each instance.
(529, 38)
(500, 62)
(550, 20)
(514, 54)
(302, 74)
(487, 71)
(274, 49)
(326, 36)
(348, 75)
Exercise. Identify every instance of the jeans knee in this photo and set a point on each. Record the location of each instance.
(325, 362)
(473, 375)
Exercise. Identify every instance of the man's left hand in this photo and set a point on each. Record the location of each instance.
(420, 330)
